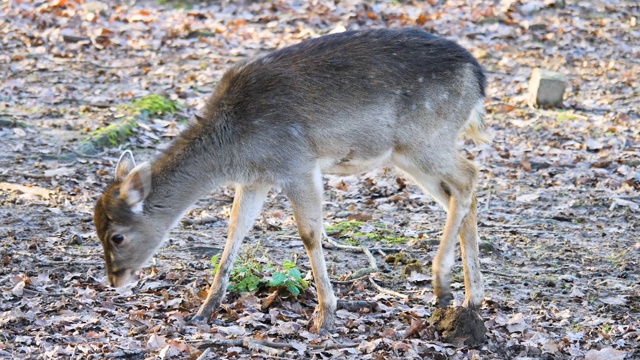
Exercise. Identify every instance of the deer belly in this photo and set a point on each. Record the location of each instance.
(349, 165)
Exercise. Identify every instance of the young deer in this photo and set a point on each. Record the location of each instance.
(339, 104)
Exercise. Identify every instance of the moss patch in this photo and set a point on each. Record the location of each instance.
(155, 105)
(354, 232)
(108, 136)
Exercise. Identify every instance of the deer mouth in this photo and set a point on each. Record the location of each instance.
(122, 277)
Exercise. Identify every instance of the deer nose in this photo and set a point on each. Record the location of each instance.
(114, 277)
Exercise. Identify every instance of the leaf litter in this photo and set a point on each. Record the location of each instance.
(558, 194)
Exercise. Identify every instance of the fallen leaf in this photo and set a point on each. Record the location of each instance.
(418, 277)
(614, 300)
(416, 326)
(63, 171)
(18, 289)
(605, 354)
(593, 145)
(232, 330)
(516, 323)
(527, 198)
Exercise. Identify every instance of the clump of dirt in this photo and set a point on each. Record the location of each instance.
(411, 267)
(399, 258)
(455, 324)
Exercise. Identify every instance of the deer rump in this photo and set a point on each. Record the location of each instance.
(341, 104)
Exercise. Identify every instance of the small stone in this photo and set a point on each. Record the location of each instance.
(546, 87)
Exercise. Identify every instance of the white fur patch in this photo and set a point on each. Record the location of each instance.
(138, 207)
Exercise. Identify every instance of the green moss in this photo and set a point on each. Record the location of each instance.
(111, 135)
(563, 116)
(351, 232)
(155, 105)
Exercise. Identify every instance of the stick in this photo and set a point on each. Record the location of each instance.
(362, 249)
(354, 306)
(387, 291)
(204, 354)
(28, 175)
(203, 220)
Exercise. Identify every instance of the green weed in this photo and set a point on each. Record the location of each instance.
(248, 275)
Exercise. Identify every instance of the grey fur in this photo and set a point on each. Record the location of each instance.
(340, 104)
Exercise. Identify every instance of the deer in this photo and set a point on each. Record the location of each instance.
(341, 104)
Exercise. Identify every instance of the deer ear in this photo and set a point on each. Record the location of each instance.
(199, 118)
(126, 163)
(136, 186)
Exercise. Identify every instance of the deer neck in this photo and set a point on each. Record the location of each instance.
(188, 170)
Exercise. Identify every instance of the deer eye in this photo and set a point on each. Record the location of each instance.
(117, 239)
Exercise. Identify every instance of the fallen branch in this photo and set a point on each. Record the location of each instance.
(387, 291)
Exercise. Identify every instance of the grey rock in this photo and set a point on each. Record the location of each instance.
(546, 87)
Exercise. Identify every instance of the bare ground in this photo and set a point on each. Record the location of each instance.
(559, 193)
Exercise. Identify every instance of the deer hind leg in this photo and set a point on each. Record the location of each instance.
(305, 194)
(246, 207)
(451, 181)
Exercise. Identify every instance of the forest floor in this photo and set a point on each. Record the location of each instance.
(559, 191)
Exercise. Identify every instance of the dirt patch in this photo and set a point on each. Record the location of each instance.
(459, 325)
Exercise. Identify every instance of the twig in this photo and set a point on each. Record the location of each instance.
(486, 205)
(362, 249)
(39, 292)
(373, 263)
(204, 354)
(362, 272)
(350, 281)
(29, 175)
(387, 291)
(193, 232)
(354, 306)
(200, 221)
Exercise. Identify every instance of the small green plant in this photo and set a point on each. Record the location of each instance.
(289, 279)
(248, 275)
(606, 328)
(155, 105)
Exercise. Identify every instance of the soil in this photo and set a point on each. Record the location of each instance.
(558, 194)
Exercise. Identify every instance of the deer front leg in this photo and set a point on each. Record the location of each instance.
(305, 194)
(246, 207)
